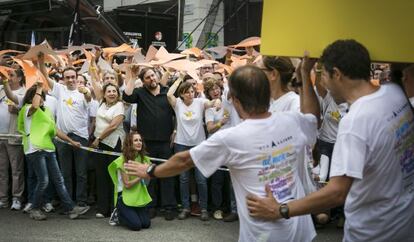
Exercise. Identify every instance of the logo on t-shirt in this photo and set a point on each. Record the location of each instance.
(278, 172)
(188, 115)
(335, 116)
(69, 102)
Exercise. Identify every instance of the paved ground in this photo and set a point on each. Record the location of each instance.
(16, 226)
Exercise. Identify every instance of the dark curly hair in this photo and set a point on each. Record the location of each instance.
(350, 57)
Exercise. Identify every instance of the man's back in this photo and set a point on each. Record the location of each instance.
(375, 146)
(260, 152)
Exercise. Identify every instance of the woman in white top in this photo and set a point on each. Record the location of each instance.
(109, 134)
(189, 113)
(279, 72)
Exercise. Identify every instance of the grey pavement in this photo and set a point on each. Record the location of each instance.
(16, 226)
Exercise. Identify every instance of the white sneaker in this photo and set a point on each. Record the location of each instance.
(16, 205)
(27, 208)
(3, 204)
(48, 207)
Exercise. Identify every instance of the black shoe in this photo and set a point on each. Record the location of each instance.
(169, 215)
(231, 217)
(152, 213)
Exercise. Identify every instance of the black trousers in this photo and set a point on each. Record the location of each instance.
(162, 189)
(104, 185)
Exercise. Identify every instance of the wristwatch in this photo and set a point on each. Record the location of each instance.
(151, 169)
(284, 210)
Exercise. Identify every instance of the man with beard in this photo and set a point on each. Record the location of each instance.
(155, 124)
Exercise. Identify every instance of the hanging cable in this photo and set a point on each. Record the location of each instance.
(225, 23)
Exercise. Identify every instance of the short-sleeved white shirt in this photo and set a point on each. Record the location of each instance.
(72, 111)
(190, 130)
(104, 117)
(287, 102)
(51, 104)
(260, 152)
(332, 114)
(375, 146)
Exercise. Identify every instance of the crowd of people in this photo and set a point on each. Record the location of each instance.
(255, 137)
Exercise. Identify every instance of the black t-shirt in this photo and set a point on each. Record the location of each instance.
(154, 113)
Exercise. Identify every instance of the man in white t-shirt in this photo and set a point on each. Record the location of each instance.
(372, 163)
(262, 150)
(72, 118)
(408, 83)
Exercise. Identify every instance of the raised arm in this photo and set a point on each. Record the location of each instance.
(9, 93)
(170, 94)
(308, 100)
(42, 68)
(96, 80)
(318, 82)
(131, 76)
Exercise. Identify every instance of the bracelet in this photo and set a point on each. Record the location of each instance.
(318, 70)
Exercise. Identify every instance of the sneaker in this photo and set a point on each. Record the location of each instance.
(169, 215)
(185, 213)
(152, 213)
(113, 220)
(78, 211)
(38, 215)
(204, 215)
(3, 204)
(27, 208)
(218, 215)
(231, 217)
(99, 215)
(16, 205)
(195, 209)
(48, 207)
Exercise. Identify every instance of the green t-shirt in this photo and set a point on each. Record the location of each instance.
(135, 196)
(42, 128)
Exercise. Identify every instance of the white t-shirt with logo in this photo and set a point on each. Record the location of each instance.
(290, 102)
(190, 130)
(287, 102)
(72, 111)
(375, 146)
(260, 152)
(332, 114)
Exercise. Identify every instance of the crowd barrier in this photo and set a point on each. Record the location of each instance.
(93, 150)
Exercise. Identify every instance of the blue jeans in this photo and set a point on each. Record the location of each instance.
(184, 183)
(31, 182)
(45, 165)
(134, 218)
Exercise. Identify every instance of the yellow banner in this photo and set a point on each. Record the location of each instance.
(386, 28)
